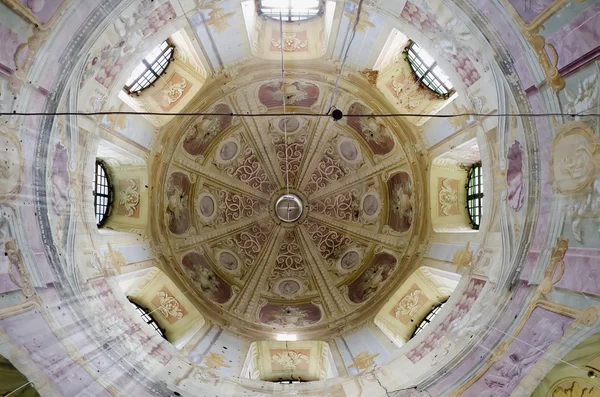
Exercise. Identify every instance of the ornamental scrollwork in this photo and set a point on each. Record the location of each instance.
(129, 198)
(448, 197)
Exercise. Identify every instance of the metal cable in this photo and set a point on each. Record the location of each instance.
(337, 80)
(385, 115)
(287, 167)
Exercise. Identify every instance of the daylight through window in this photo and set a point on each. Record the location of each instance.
(148, 319)
(475, 195)
(289, 10)
(427, 70)
(152, 66)
(102, 193)
(428, 318)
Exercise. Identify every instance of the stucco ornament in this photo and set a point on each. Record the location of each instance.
(585, 97)
(574, 157)
(585, 207)
(447, 197)
(174, 92)
(291, 42)
(575, 391)
(130, 197)
(289, 360)
(409, 305)
(169, 306)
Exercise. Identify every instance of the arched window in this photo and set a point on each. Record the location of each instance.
(148, 319)
(290, 10)
(103, 193)
(475, 195)
(152, 66)
(428, 71)
(428, 318)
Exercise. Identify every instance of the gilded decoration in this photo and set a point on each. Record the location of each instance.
(364, 360)
(576, 390)
(217, 195)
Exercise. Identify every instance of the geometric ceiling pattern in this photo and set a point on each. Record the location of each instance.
(219, 192)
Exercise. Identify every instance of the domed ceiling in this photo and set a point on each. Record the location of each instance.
(247, 258)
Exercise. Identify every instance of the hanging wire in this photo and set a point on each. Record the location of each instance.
(287, 167)
(337, 80)
(370, 115)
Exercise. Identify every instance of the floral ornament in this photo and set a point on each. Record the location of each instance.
(289, 360)
(130, 197)
(409, 305)
(173, 92)
(169, 306)
(291, 42)
(575, 391)
(447, 197)
(514, 176)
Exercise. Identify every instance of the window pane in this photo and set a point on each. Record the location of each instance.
(426, 69)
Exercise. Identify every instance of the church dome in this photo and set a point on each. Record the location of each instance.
(299, 198)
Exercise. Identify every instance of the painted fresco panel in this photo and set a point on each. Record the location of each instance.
(400, 197)
(375, 134)
(178, 192)
(201, 133)
(196, 267)
(296, 93)
(290, 316)
(374, 276)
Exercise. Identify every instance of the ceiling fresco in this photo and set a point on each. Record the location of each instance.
(219, 220)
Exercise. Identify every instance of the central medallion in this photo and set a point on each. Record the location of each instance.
(288, 208)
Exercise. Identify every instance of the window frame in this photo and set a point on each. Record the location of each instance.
(167, 54)
(148, 318)
(474, 203)
(425, 74)
(429, 317)
(108, 194)
(288, 16)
